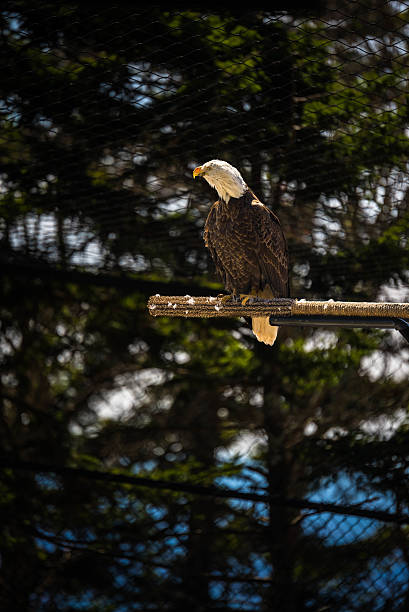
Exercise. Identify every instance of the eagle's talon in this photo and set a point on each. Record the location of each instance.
(245, 297)
(226, 298)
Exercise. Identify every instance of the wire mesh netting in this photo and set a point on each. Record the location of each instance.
(160, 464)
(114, 120)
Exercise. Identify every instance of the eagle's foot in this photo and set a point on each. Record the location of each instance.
(245, 297)
(226, 298)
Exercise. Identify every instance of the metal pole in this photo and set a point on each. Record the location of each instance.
(401, 325)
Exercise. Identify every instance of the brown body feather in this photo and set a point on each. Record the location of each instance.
(249, 249)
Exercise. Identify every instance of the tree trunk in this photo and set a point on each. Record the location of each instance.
(281, 528)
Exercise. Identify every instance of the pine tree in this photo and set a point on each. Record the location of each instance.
(104, 114)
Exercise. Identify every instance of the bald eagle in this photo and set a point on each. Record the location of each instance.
(246, 242)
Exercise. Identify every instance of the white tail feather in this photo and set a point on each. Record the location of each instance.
(263, 331)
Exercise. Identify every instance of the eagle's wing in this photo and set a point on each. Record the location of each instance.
(271, 249)
(210, 226)
(253, 256)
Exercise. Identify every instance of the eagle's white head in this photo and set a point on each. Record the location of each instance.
(224, 177)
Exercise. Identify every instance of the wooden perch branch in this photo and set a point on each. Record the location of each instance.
(187, 306)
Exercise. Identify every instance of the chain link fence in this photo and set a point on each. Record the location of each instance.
(104, 114)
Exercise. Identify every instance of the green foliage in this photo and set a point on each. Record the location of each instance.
(104, 112)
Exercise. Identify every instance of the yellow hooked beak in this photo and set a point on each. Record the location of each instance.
(197, 171)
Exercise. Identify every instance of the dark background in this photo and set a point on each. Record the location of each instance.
(166, 464)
